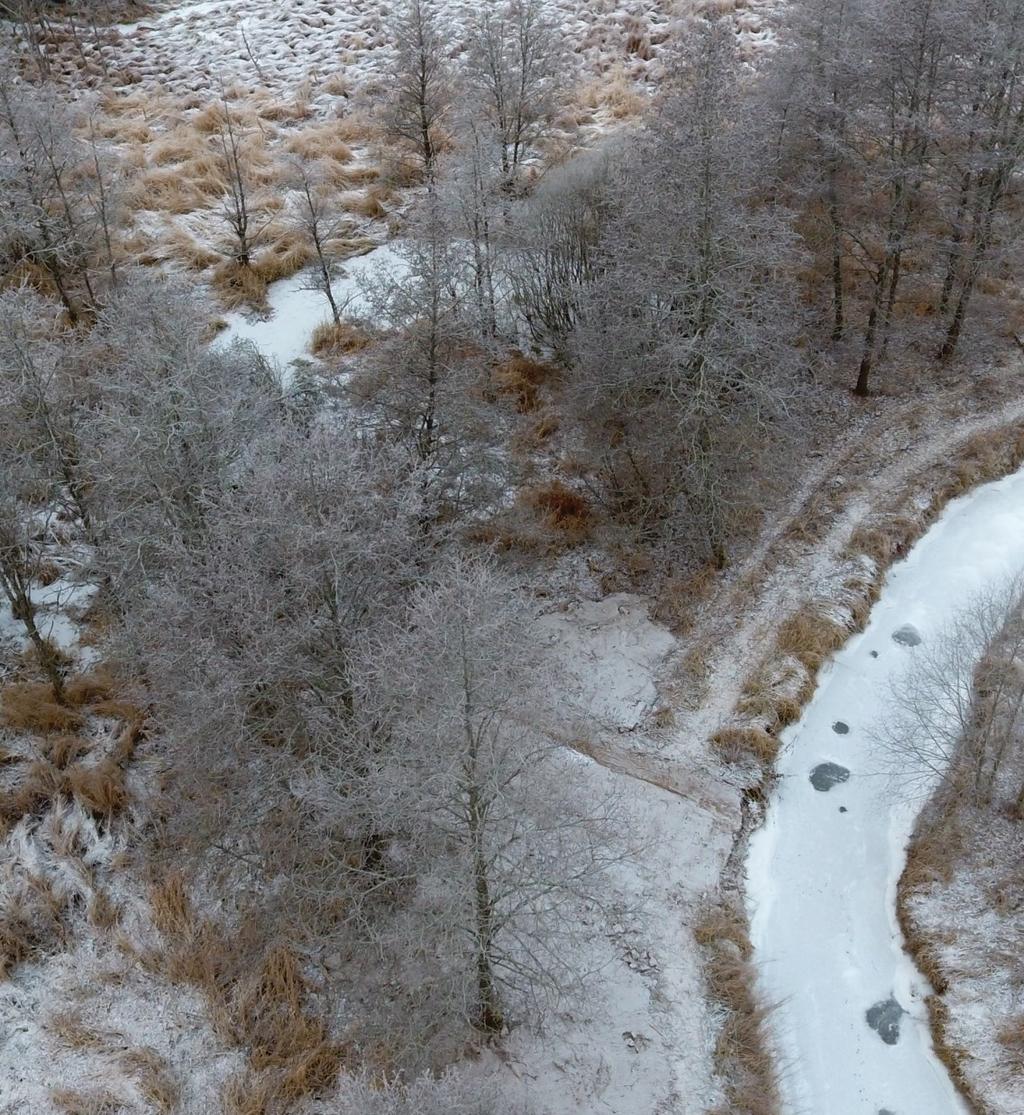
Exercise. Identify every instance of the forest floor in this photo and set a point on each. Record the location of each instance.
(644, 697)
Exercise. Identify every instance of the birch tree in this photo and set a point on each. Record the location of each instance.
(687, 344)
(516, 65)
(497, 852)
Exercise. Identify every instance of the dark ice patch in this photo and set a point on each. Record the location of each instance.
(840, 727)
(843, 809)
(826, 775)
(874, 654)
(885, 1111)
(907, 635)
(884, 1019)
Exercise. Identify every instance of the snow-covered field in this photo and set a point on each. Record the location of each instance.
(851, 1023)
(192, 47)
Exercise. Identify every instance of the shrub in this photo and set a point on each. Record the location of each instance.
(520, 377)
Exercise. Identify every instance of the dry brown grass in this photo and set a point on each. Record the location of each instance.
(321, 141)
(810, 636)
(613, 94)
(153, 1078)
(238, 287)
(98, 1101)
(741, 743)
(171, 907)
(62, 751)
(247, 1094)
(562, 509)
(264, 1012)
(99, 788)
(176, 190)
(367, 205)
(288, 254)
(85, 689)
(521, 378)
(743, 1057)
(332, 338)
(73, 1032)
(30, 926)
(30, 706)
(187, 250)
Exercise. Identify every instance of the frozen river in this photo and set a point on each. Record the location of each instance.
(851, 1024)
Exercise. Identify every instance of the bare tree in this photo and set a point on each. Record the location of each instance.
(245, 224)
(24, 525)
(421, 91)
(425, 381)
(987, 148)
(497, 851)
(43, 397)
(957, 714)
(172, 419)
(516, 65)
(318, 221)
(554, 240)
(43, 220)
(688, 360)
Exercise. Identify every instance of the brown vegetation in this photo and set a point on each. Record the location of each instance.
(521, 378)
(561, 508)
(30, 706)
(743, 1056)
(264, 1011)
(332, 338)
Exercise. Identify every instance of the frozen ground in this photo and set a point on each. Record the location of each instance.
(92, 1018)
(283, 334)
(822, 872)
(189, 47)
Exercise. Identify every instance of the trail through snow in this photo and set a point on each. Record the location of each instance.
(851, 1022)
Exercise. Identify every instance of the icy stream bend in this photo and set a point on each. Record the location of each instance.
(851, 1024)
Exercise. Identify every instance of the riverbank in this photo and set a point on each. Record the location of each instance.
(958, 899)
(786, 676)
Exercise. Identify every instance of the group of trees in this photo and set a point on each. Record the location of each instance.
(341, 686)
(351, 709)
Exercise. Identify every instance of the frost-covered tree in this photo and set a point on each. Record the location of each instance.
(47, 222)
(424, 382)
(495, 847)
(516, 64)
(553, 242)
(44, 396)
(957, 713)
(173, 418)
(319, 222)
(421, 85)
(687, 348)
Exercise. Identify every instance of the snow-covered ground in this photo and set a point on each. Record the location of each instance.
(642, 1040)
(188, 47)
(284, 333)
(822, 872)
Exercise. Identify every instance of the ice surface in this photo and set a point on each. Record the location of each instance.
(821, 883)
(283, 336)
